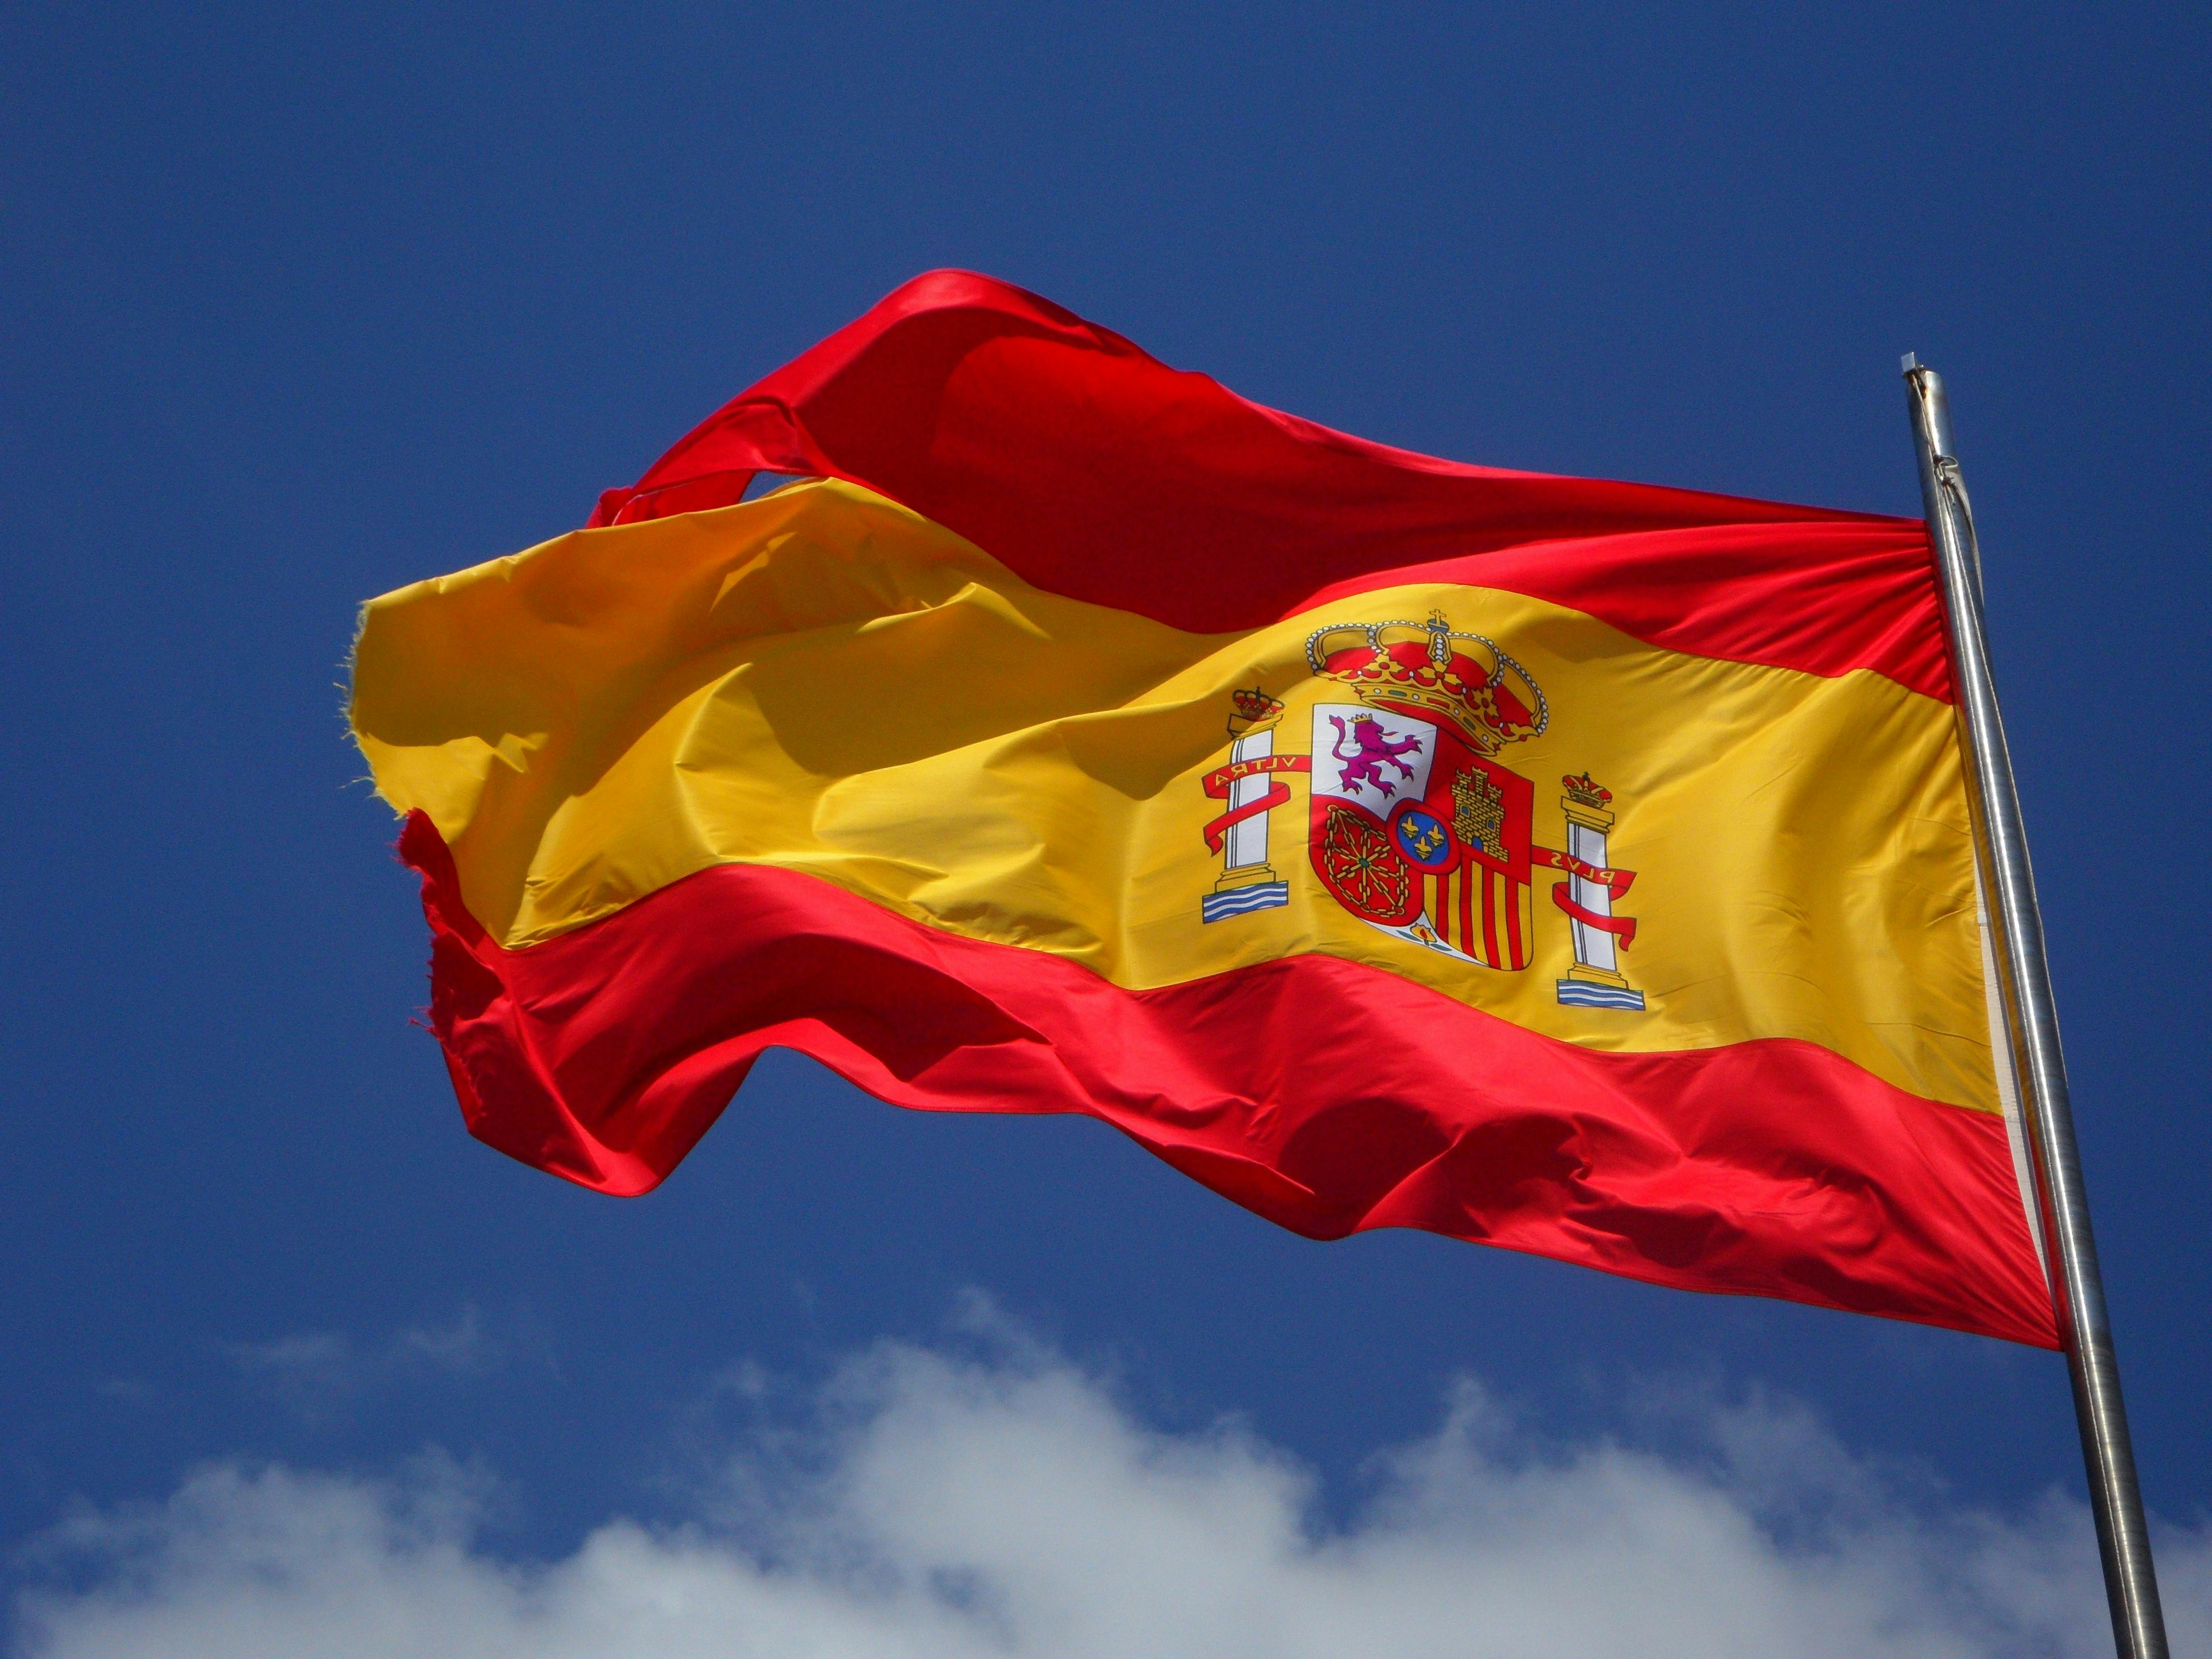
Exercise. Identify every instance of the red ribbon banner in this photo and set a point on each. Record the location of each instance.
(1615, 882)
(1279, 793)
(1621, 927)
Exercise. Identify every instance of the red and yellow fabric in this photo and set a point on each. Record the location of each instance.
(939, 767)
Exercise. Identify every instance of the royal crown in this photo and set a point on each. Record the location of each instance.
(1485, 695)
(1252, 707)
(1586, 790)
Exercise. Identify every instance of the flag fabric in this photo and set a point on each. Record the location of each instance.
(1579, 867)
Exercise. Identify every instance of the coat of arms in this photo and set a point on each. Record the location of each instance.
(1413, 825)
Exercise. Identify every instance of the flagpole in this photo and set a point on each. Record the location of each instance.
(2031, 1014)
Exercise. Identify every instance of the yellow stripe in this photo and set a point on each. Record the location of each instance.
(823, 681)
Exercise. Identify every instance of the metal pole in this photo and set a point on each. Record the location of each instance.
(2001, 843)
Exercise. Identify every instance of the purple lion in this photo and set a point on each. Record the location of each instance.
(1372, 751)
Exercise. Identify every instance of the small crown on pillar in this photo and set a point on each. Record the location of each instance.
(1584, 790)
(1253, 707)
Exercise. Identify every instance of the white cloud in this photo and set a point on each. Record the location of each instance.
(959, 1508)
(462, 1348)
(321, 1374)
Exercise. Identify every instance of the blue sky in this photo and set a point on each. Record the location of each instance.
(306, 304)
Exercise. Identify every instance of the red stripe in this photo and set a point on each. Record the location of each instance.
(1324, 1096)
(1094, 471)
(1467, 874)
(1490, 919)
(1821, 598)
(1511, 893)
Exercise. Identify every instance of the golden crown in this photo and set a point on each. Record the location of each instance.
(1485, 695)
(1586, 789)
(1252, 709)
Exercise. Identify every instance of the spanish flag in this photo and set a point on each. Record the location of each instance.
(1579, 867)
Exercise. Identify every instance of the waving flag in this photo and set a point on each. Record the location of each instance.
(1579, 867)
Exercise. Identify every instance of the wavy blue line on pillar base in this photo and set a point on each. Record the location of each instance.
(1580, 993)
(1243, 901)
